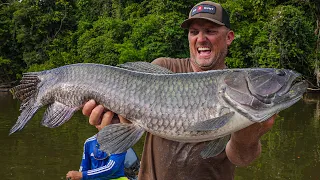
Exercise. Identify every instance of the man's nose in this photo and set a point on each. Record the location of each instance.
(202, 37)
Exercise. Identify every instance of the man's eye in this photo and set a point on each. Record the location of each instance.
(211, 31)
(194, 32)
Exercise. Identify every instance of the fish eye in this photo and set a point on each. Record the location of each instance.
(280, 72)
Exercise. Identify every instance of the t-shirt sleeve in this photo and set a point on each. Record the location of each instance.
(174, 64)
(163, 62)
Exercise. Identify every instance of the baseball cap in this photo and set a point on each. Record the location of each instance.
(210, 11)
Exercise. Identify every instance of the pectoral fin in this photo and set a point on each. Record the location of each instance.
(117, 138)
(212, 124)
(57, 114)
(215, 147)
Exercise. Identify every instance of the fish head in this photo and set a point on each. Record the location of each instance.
(260, 93)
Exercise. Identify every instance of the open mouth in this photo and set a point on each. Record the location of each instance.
(204, 51)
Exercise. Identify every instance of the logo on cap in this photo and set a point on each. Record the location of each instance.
(204, 8)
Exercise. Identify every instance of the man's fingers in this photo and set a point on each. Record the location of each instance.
(95, 116)
(98, 116)
(68, 175)
(123, 120)
(88, 107)
(106, 119)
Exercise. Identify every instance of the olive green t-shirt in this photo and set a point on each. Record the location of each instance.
(164, 159)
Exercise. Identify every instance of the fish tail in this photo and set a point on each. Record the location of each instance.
(24, 117)
(26, 89)
(26, 92)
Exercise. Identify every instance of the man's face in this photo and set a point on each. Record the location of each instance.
(208, 43)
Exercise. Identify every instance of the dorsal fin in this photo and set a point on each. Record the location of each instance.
(146, 67)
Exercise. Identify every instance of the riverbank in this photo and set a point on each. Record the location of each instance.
(313, 90)
(5, 87)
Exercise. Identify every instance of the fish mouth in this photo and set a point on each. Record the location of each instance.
(261, 93)
(298, 88)
(274, 85)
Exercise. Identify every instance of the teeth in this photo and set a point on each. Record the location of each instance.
(203, 49)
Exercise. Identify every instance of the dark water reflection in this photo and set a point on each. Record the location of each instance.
(38, 152)
(291, 150)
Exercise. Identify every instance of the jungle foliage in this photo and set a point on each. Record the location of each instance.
(43, 34)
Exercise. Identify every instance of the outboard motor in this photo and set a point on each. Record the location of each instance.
(131, 165)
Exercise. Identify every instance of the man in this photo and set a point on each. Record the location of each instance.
(97, 164)
(209, 38)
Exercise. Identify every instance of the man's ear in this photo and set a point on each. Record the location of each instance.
(230, 37)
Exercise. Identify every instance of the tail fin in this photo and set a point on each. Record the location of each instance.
(26, 92)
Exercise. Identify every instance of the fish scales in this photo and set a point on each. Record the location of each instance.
(185, 107)
(73, 86)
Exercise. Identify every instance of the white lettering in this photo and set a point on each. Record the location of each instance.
(209, 8)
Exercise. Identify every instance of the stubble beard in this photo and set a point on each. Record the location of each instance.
(216, 62)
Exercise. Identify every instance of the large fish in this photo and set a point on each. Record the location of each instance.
(184, 107)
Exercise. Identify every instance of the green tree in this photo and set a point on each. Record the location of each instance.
(10, 50)
(154, 36)
(37, 34)
(98, 45)
(269, 34)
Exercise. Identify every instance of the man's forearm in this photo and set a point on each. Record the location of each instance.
(244, 145)
(242, 154)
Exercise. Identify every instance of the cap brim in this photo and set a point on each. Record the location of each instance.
(185, 24)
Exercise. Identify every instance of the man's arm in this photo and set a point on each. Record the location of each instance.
(244, 145)
(110, 170)
(113, 168)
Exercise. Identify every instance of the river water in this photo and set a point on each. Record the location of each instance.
(291, 150)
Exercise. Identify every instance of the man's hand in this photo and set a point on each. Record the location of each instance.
(244, 145)
(74, 175)
(100, 116)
